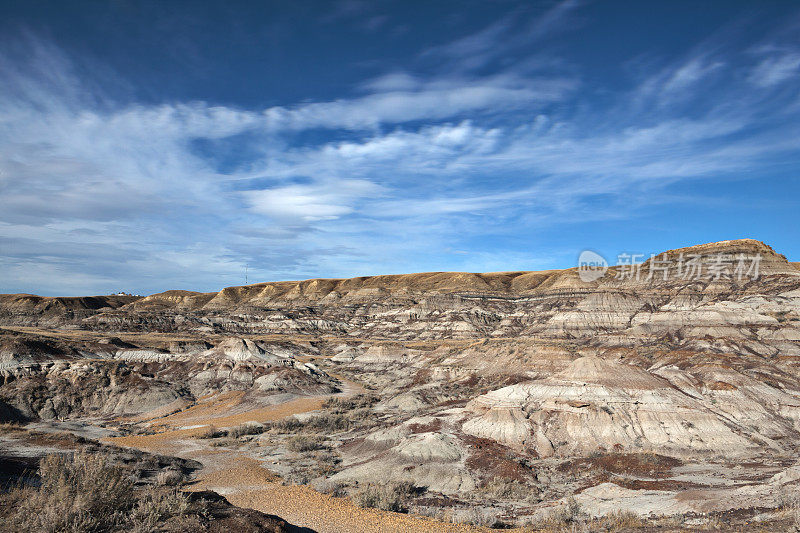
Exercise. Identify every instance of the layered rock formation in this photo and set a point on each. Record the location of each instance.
(29, 309)
(42, 377)
(461, 305)
(692, 355)
(596, 404)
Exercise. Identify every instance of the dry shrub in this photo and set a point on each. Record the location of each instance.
(245, 429)
(342, 405)
(329, 423)
(342, 414)
(287, 425)
(569, 517)
(169, 478)
(621, 520)
(477, 516)
(156, 506)
(789, 503)
(305, 443)
(324, 423)
(327, 464)
(248, 428)
(336, 489)
(85, 492)
(208, 432)
(10, 426)
(389, 497)
(566, 515)
(227, 441)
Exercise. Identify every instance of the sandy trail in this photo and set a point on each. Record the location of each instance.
(245, 482)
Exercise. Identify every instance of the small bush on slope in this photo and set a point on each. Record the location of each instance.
(305, 443)
(343, 405)
(339, 415)
(245, 429)
(390, 497)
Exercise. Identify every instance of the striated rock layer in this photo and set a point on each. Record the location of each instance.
(445, 305)
(693, 355)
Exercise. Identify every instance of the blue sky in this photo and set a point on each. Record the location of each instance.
(147, 146)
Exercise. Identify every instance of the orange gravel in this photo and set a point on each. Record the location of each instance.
(168, 439)
(303, 506)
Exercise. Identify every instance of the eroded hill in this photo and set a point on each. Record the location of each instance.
(670, 389)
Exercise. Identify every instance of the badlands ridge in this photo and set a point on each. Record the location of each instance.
(514, 393)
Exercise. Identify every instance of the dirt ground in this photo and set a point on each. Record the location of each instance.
(245, 482)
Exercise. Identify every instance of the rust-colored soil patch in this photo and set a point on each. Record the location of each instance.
(492, 460)
(221, 411)
(166, 440)
(656, 484)
(433, 425)
(210, 407)
(637, 464)
(275, 412)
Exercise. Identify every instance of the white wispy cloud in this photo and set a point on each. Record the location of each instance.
(499, 38)
(688, 74)
(776, 69)
(94, 192)
(430, 101)
(312, 202)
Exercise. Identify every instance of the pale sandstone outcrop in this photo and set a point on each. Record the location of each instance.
(601, 404)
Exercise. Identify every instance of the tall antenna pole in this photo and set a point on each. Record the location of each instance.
(245, 274)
